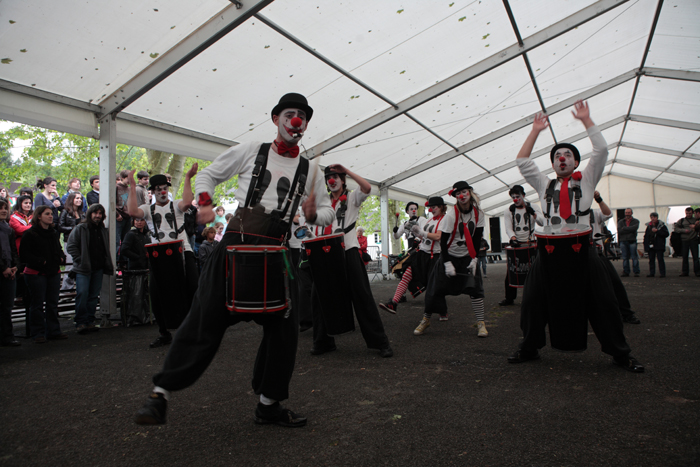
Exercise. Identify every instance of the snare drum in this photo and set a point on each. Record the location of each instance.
(166, 261)
(256, 279)
(519, 261)
(326, 257)
(564, 255)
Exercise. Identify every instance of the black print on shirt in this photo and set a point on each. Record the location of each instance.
(283, 185)
(157, 220)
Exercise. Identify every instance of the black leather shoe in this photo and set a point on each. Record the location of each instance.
(505, 302)
(321, 350)
(386, 352)
(161, 341)
(278, 415)
(629, 363)
(632, 319)
(521, 356)
(153, 411)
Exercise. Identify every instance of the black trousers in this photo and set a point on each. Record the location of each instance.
(511, 292)
(440, 285)
(586, 293)
(192, 281)
(300, 289)
(363, 304)
(623, 302)
(657, 255)
(199, 337)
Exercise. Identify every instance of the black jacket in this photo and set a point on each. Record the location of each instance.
(67, 222)
(41, 250)
(78, 246)
(14, 258)
(205, 250)
(655, 240)
(92, 197)
(134, 248)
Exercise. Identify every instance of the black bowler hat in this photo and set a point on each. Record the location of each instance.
(459, 186)
(559, 146)
(157, 180)
(293, 101)
(435, 201)
(409, 205)
(328, 171)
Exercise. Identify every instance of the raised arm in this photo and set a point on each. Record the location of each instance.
(365, 187)
(541, 123)
(132, 204)
(187, 195)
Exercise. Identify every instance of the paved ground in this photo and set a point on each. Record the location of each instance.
(446, 398)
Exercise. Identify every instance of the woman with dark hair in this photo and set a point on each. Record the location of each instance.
(41, 251)
(207, 246)
(89, 247)
(71, 216)
(49, 197)
(20, 221)
(4, 194)
(8, 276)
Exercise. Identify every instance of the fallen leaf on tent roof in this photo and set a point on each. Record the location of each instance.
(400, 11)
(6, 61)
(12, 21)
(154, 55)
(462, 18)
(484, 37)
(23, 50)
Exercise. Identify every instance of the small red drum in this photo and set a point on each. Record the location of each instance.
(563, 251)
(166, 261)
(326, 256)
(519, 260)
(256, 279)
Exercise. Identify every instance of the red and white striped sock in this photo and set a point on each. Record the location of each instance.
(403, 285)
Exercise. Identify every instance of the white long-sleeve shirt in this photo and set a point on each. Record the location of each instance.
(240, 160)
(591, 176)
(524, 228)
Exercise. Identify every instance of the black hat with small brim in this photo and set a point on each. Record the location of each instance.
(459, 186)
(559, 146)
(293, 101)
(157, 180)
(435, 201)
(517, 189)
(409, 205)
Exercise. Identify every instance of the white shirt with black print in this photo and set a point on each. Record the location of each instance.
(431, 226)
(467, 224)
(522, 230)
(165, 223)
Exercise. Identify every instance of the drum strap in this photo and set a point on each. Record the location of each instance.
(437, 227)
(467, 233)
(252, 197)
(513, 207)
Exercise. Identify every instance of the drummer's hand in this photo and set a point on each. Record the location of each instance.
(472, 267)
(205, 214)
(417, 231)
(309, 208)
(450, 269)
(193, 171)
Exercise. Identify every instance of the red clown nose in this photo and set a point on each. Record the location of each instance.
(562, 159)
(331, 182)
(296, 122)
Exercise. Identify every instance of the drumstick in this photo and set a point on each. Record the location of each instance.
(314, 172)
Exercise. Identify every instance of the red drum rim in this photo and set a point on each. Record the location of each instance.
(256, 248)
(325, 237)
(152, 245)
(579, 233)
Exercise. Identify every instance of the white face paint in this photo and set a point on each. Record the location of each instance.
(286, 130)
(412, 211)
(435, 211)
(463, 197)
(517, 199)
(564, 162)
(334, 183)
(161, 194)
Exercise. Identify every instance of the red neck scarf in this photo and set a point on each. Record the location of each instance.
(564, 200)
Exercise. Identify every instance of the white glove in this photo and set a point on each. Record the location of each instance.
(417, 231)
(472, 267)
(450, 269)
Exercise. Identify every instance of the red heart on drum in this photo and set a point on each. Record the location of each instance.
(549, 248)
(155, 254)
(326, 248)
(577, 247)
(308, 252)
(168, 252)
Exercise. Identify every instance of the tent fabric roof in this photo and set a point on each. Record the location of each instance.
(411, 95)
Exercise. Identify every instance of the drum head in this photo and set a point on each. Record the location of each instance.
(564, 230)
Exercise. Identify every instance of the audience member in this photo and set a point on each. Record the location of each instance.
(9, 261)
(687, 229)
(41, 251)
(191, 223)
(73, 187)
(135, 296)
(655, 244)
(71, 216)
(4, 194)
(207, 245)
(123, 220)
(49, 197)
(134, 245)
(93, 196)
(27, 191)
(362, 240)
(219, 231)
(142, 187)
(627, 236)
(20, 223)
(88, 244)
(481, 256)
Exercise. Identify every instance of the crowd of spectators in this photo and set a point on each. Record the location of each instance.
(51, 244)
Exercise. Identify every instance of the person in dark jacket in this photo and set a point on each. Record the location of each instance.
(207, 245)
(41, 251)
(93, 196)
(627, 236)
(89, 247)
(8, 276)
(72, 215)
(134, 245)
(655, 244)
(49, 197)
